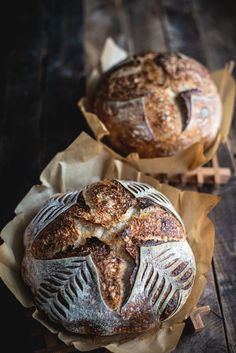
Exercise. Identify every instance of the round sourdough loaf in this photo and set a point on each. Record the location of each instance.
(110, 259)
(158, 104)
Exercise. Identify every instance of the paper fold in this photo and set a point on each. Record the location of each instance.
(83, 162)
(186, 160)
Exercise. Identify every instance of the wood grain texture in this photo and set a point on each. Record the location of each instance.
(216, 26)
(225, 157)
(183, 34)
(225, 257)
(216, 23)
(206, 340)
(32, 129)
(42, 68)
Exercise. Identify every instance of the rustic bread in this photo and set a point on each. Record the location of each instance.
(158, 104)
(110, 259)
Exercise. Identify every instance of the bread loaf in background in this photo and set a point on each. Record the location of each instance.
(110, 259)
(158, 104)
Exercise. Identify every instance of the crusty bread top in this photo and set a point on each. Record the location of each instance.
(108, 223)
(157, 104)
(109, 209)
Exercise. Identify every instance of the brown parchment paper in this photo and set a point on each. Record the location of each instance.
(186, 160)
(83, 162)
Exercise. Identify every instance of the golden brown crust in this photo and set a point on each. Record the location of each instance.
(109, 267)
(108, 201)
(149, 228)
(102, 204)
(157, 104)
(57, 236)
(102, 232)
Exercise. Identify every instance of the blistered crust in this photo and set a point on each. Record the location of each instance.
(158, 104)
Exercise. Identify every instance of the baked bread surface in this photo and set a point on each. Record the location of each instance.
(110, 259)
(158, 104)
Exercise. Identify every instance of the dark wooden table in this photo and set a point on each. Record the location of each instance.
(47, 49)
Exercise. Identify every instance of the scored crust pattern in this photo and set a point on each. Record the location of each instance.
(55, 206)
(157, 104)
(146, 191)
(69, 288)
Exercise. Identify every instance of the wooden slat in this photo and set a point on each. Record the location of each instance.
(184, 35)
(197, 317)
(225, 257)
(204, 30)
(145, 38)
(211, 338)
(232, 139)
(216, 22)
(214, 174)
(225, 157)
(203, 176)
(44, 82)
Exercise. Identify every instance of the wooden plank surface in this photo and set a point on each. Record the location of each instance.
(42, 78)
(183, 35)
(205, 340)
(216, 23)
(216, 336)
(225, 257)
(43, 67)
(177, 30)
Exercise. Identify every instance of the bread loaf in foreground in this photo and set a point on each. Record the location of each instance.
(110, 259)
(158, 104)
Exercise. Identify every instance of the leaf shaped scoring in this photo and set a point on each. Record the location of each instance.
(70, 294)
(76, 278)
(53, 208)
(144, 190)
(68, 289)
(158, 277)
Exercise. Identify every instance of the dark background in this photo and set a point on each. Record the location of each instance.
(43, 47)
(42, 78)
